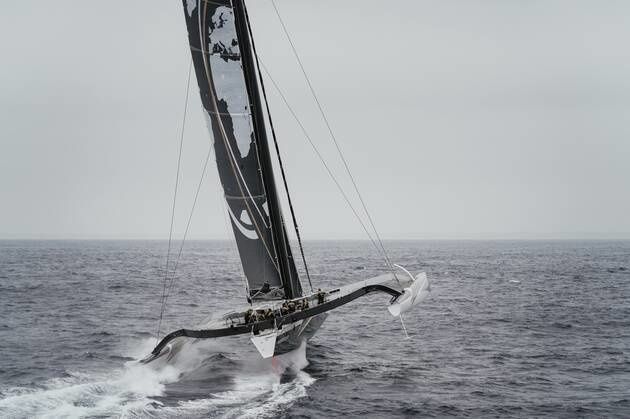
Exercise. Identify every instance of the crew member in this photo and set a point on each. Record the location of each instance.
(320, 296)
(248, 315)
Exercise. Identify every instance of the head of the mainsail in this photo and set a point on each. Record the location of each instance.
(223, 59)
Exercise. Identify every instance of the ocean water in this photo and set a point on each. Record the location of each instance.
(512, 329)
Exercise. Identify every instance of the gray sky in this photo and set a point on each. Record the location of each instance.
(460, 119)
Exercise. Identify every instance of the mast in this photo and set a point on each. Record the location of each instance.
(224, 64)
(286, 263)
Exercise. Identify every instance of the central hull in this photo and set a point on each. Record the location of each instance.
(291, 337)
(301, 332)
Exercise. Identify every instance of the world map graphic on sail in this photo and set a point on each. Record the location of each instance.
(219, 68)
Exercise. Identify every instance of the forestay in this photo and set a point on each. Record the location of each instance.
(224, 66)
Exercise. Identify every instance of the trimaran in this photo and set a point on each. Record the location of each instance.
(280, 315)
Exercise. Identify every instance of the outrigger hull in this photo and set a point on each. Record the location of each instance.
(282, 332)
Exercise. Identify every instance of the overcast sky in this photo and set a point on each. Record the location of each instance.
(460, 119)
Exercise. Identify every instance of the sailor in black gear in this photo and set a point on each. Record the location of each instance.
(265, 288)
(320, 296)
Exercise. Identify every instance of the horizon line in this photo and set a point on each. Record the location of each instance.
(480, 237)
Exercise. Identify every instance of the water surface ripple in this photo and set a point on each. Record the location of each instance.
(513, 329)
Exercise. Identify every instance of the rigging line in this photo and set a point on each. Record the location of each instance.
(275, 142)
(232, 159)
(332, 135)
(192, 210)
(179, 160)
(321, 158)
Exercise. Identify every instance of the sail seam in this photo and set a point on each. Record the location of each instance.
(242, 197)
(230, 113)
(218, 3)
(215, 54)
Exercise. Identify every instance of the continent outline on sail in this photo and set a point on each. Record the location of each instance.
(191, 5)
(225, 61)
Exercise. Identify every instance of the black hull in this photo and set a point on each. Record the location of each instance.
(299, 325)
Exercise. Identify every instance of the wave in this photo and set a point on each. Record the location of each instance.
(81, 395)
(240, 388)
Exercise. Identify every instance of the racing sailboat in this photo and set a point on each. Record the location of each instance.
(280, 315)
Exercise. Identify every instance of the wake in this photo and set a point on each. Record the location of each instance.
(241, 388)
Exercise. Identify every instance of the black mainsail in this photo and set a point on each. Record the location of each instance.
(223, 58)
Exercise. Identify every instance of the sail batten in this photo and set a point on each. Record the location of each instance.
(221, 54)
